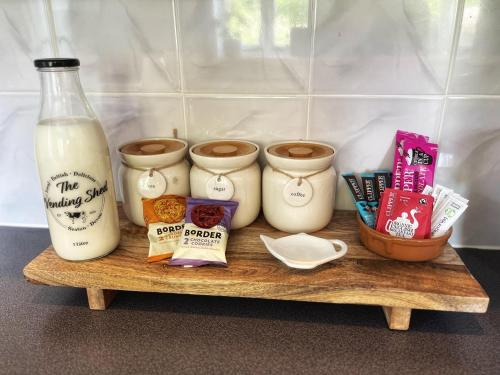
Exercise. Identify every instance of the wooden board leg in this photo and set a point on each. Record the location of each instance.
(99, 299)
(397, 317)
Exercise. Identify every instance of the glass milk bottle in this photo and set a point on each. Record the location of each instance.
(74, 166)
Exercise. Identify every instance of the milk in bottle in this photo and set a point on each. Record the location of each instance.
(74, 166)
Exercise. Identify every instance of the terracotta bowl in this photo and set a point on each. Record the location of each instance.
(400, 248)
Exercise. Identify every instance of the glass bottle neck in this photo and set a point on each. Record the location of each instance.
(62, 94)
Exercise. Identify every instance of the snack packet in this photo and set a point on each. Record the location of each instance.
(427, 190)
(401, 138)
(164, 217)
(419, 165)
(205, 234)
(442, 194)
(405, 214)
(448, 207)
(383, 181)
(369, 187)
(409, 178)
(359, 199)
(435, 193)
(451, 208)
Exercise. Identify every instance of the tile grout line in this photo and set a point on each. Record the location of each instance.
(451, 64)
(266, 96)
(311, 67)
(180, 64)
(49, 18)
(19, 93)
(134, 93)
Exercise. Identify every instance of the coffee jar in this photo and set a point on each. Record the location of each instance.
(227, 170)
(152, 167)
(298, 187)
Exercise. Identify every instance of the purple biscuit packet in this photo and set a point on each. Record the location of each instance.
(401, 138)
(206, 230)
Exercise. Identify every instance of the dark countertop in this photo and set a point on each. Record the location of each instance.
(50, 330)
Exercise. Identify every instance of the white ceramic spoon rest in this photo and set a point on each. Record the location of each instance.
(303, 250)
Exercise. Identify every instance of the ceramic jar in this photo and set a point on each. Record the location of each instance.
(152, 167)
(298, 187)
(227, 170)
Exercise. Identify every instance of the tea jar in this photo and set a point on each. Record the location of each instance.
(152, 167)
(298, 186)
(227, 170)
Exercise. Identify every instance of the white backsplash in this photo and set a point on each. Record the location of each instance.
(362, 131)
(262, 120)
(20, 192)
(346, 72)
(225, 50)
(470, 163)
(126, 45)
(477, 67)
(24, 35)
(383, 47)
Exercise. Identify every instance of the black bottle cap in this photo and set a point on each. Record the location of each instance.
(57, 63)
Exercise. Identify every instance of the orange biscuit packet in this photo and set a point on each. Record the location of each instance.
(164, 217)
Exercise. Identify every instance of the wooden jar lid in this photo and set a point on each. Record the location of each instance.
(152, 147)
(224, 149)
(300, 150)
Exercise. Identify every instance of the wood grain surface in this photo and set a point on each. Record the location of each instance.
(398, 318)
(360, 277)
(99, 299)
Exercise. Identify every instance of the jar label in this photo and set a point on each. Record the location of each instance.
(297, 193)
(220, 187)
(75, 199)
(151, 184)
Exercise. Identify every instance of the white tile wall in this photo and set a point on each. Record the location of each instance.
(20, 194)
(362, 131)
(126, 45)
(348, 72)
(470, 164)
(262, 120)
(383, 47)
(24, 35)
(228, 50)
(477, 67)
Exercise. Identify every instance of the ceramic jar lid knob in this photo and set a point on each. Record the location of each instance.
(225, 150)
(300, 152)
(153, 149)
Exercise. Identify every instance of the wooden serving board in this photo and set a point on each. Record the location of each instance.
(360, 277)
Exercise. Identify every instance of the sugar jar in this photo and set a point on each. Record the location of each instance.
(298, 186)
(227, 170)
(152, 167)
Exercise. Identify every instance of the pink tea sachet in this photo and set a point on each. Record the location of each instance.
(420, 159)
(401, 138)
(414, 162)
